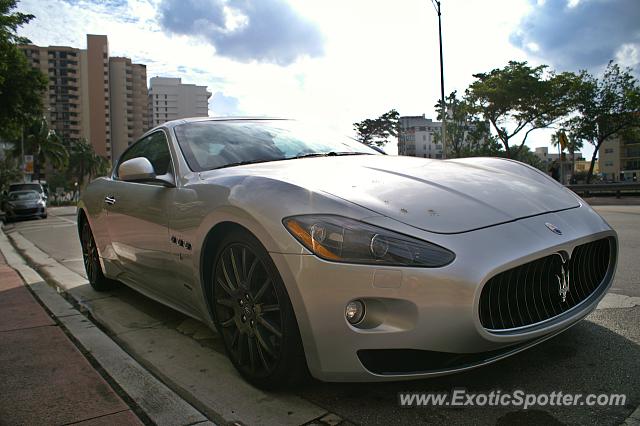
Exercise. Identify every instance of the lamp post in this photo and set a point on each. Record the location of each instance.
(436, 5)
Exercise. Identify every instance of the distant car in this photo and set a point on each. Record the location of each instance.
(24, 205)
(41, 188)
(306, 249)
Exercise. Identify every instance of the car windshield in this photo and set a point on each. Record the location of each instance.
(212, 144)
(23, 195)
(25, 187)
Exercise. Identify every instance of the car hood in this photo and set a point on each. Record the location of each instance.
(450, 196)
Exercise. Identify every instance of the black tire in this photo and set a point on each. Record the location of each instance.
(254, 316)
(91, 260)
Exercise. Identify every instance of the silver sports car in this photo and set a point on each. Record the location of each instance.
(310, 252)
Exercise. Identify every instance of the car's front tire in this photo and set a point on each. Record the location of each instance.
(253, 313)
(91, 260)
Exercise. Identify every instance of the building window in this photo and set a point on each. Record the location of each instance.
(608, 151)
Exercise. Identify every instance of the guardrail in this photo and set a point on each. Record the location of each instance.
(617, 189)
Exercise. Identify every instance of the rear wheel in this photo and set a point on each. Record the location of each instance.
(91, 260)
(254, 314)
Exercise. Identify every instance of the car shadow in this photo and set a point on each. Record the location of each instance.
(597, 355)
(589, 358)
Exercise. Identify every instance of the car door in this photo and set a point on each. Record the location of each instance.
(137, 217)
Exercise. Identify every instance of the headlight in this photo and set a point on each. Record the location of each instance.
(340, 239)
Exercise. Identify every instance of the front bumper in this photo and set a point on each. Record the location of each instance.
(433, 310)
(25, 212)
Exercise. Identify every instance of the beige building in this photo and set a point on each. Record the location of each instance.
(77, 97)
(580, 163)
(129, 103)
(620, 159)
(78, 100)
(170, 99)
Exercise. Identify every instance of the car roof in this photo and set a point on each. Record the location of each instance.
(25, 183)
(174, 123)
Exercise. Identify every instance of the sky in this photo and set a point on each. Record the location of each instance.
(337, 62)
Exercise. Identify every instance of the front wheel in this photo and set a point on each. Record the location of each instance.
(91, 260)
(254, 315)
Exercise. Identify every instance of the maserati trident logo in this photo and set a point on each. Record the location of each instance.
(564, 279)
(553, 228)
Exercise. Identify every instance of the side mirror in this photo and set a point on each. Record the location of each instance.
(140, 169)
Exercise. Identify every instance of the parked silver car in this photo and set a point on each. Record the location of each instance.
(24, 205)
(307, 250)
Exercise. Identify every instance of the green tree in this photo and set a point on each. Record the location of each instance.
(21, 86)
(523, 97)
(466, 132)
(9, 173)
(606, 108)
(84, 163)
(377, 131)
(527, 156)
(490, 147)
(45, 146)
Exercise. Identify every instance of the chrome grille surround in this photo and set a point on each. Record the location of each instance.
(531, 294)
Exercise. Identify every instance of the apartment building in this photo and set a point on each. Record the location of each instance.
(76, 101)
(170, 99)
(415, 137)
(619, 159)
(129, 103)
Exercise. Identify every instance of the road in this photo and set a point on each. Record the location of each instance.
(598, 355)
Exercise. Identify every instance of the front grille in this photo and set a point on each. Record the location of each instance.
(27, 211)
(531, 293)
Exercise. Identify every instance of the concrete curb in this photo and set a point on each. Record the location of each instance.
(156, 400)
(224, 397)
(633, 419)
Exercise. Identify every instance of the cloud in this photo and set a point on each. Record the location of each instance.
(584, 34)
(245, 30)
(222, 105)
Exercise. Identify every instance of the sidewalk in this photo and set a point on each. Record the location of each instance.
(44, 378)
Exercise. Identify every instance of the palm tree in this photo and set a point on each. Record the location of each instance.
(572, 145)
(45, 146)
(85, 163)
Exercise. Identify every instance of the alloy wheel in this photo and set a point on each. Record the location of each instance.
(89, 253)
(248, 310)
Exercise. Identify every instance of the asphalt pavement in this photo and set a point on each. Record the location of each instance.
(599, 355)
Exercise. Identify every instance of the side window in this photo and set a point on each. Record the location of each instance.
(154, 148)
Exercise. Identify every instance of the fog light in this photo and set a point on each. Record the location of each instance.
(354, 312)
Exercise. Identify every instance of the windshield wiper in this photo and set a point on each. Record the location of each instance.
(241, 163)
(329, 154)
(315, 154)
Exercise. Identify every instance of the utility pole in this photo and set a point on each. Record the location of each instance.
(22, 164)
(436, 5)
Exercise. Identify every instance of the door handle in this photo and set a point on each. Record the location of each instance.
(110, 199)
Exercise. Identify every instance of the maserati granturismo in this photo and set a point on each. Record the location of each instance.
(310, 252)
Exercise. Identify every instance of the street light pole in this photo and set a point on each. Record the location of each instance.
(22, 163)
(436, 4)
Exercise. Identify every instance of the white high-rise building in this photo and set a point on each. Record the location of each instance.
(170, 99)
(415, 137)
